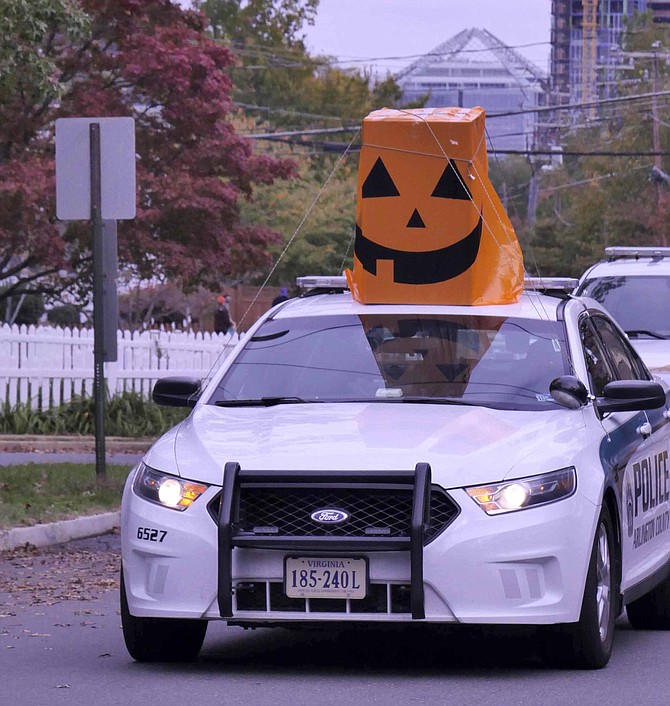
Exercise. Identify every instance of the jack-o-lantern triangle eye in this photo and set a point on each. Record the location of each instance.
(451, 185)
(378, 183)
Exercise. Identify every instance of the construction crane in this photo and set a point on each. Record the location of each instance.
(589, 56)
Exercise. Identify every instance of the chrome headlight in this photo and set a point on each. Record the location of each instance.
(166, 490)
(522, 493)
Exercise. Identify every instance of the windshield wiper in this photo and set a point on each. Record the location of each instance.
(263, 402)
(643, 332)
(433, 400)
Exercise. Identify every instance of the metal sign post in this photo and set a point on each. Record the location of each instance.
(98, 318)
(95, 180)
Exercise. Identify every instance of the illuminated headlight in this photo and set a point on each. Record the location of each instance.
(522, 493)
(168, 491)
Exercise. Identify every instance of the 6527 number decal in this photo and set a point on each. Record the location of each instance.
(150, 534)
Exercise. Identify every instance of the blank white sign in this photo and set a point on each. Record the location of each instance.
(117, 168)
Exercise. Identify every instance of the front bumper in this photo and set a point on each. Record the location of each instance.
(526, 567)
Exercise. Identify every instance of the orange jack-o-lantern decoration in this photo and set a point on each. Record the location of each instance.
(430, 228)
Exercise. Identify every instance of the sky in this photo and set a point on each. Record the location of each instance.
(366, 33)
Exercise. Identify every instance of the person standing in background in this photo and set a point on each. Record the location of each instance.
(222, 321)
(281, 297)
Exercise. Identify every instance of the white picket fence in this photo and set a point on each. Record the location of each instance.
(45, 366)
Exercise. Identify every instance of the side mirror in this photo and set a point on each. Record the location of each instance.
(176, 392)
(630, 396)
(569, 391)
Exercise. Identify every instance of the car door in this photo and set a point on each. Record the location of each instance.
(634, 452)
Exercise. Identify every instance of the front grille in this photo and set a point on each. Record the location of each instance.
(372, 512)
(382, 598)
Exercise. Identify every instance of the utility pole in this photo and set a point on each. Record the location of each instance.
(654, 114)
(661, 186)
(658, 176)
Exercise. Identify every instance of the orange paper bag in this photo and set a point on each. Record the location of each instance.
(430, 228)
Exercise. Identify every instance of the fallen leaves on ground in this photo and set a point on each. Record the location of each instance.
(77, 571)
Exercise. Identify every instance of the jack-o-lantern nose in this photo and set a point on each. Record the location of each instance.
(416, 221)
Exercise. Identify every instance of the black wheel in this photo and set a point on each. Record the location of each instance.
(651, 611)
(160, 639)
(587, 644)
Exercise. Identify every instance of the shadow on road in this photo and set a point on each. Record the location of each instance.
(380, 651)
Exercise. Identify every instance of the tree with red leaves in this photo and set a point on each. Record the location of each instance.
(150, 60)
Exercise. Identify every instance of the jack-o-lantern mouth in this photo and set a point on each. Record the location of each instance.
(424, 267)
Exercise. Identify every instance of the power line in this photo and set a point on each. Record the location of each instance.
(249, 48)
(337, 147)
(587, 104)
(491, 116)
(409, 57)
(585, 153)
(284, 111)
(581, 182)
(293, 133)
(289, 135)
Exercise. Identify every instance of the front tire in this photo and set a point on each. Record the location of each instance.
(587, 644)
(651, 611)
(160, 639)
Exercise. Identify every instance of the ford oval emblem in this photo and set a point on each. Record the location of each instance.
(329, 516)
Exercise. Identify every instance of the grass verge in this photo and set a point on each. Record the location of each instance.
(35, 493)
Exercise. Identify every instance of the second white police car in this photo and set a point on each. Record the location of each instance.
(634, 285)
(364, 464)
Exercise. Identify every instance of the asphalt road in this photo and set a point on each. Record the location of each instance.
(61, 643)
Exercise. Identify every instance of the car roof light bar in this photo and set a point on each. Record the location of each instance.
(330, 282)
(616, 252)
(562, 284)
(322, 282)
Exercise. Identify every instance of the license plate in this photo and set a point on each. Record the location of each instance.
(325, 577)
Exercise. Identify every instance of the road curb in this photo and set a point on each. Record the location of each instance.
(59, 532)
(36, 443)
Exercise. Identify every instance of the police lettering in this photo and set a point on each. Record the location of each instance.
(652, 482)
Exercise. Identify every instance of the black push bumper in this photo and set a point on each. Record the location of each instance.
(416, 482)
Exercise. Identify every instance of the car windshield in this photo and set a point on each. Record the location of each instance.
(631, 301)
(479, 360)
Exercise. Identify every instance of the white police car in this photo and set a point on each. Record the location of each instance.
(402, 464)
(634, 285)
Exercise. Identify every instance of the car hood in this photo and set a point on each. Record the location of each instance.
(463, 445)
(655, 353)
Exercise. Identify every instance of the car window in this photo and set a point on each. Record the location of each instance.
(608, 355)
(626, 362)
(635, 302)
(482, 360)
(597, 365)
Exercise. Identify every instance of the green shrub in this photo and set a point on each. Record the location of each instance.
(65, 315)
(30, 307)
(128, 414)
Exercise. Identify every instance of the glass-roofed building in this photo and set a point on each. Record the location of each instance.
(475, 68)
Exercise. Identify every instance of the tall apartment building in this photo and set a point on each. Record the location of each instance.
(661, 10)
(476, 68)
(586, 45)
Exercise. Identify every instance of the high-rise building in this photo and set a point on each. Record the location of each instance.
(661, 10)
(586, 57)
